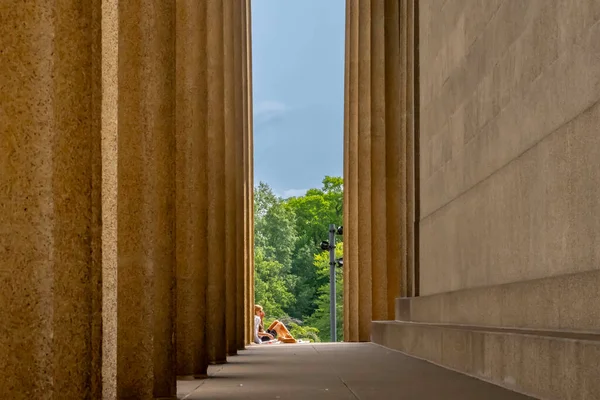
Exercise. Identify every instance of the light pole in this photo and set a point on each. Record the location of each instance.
(330, 245)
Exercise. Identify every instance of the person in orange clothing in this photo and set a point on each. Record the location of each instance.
(276, 329)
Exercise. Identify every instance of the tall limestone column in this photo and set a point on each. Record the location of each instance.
(191, 189)
(395, 161)
(351, 180)
(250, 122)
(346, 270)
(380, 156)
(50, 201)
(216, 335)
(146, 199)
(364, 217)
(379, 223)
(230, 172)
(248, 188)
(240, 234)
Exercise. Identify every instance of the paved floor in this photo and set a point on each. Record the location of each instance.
(335, 371)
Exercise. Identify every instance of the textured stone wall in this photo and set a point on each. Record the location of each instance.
(510, 150)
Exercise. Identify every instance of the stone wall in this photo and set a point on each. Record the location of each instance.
(510, 152)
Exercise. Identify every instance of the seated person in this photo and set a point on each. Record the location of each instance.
(276, 330)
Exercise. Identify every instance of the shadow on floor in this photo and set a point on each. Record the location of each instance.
(335, 371)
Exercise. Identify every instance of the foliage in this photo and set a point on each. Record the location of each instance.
(304, 332)
(270, 285)
(292, 278)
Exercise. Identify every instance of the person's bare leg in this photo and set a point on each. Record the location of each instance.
(283, 334)
(273, 325)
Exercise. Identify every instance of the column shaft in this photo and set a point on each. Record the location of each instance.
(240, 326)
(364, 171)
(352, 187)
(394, 158)
(230, 172)
(410, 149)
(49, 201)
(250, 151)
(246, 226)
(346, 207)
(110, 184)
(191, 188)
(146, 158)
(248, 172)
(216, 303)
(378, 151)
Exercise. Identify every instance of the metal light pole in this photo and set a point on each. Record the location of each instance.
(332, 300)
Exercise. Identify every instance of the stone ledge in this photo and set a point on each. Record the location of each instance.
(541, 363)
(565, 302)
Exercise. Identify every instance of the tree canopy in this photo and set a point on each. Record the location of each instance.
(292, 272)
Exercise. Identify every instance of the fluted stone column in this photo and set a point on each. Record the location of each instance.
(379, 223)
(352, 180)
(216, 302)
(250, 122)
(49, 201)
(248, 190)
(395, 161)
(240, 234)
(412, 148)
(191, 189)
(379, 175)
(365, 288)
(146, 189)
(348, 250)
(230, 172)
(110, 183)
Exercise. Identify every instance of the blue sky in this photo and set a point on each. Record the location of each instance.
(298, 79)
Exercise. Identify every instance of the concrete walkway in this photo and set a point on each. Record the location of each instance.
(335, 371)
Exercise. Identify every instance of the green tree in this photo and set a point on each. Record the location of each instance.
(275, 228)
(292, 273)
(313, 213)
(275, 239)
(270, 286)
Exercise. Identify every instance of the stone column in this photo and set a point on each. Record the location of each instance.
(351, 186)
(145, 211)
(250, 122)
(364, 217)
(395, 163)
(379, 234)
(49, 201)
(240, 326)
(412, 180)
(248, 193)
(230, 172)
(215, 297)
(191, 189)
(346, 270)
(110, 184)
(230, 178)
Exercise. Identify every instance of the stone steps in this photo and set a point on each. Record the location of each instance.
(547, 364)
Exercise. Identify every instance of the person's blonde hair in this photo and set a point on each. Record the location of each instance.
(258, 308)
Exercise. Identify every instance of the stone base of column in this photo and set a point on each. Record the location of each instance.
(217, 362)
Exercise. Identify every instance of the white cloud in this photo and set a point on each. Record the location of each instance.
(294, 193)
(265, 111)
